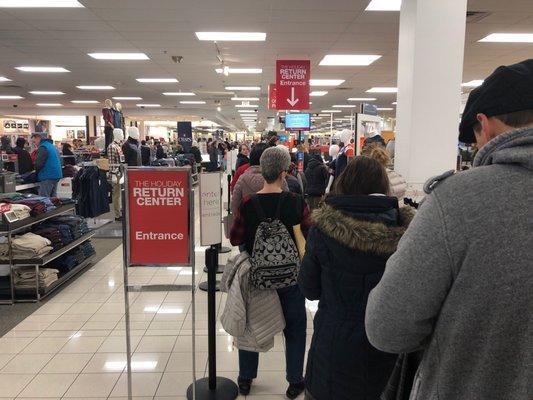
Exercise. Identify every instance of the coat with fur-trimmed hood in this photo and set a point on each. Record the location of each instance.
(346, 252)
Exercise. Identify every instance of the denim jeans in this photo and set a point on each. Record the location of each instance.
(48, 188)
(293, 305)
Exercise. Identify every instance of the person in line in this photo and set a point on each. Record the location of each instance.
(295, 179)
(356, 229)
(317, 177)
(195, 151)
(398, 185)
(47, 165)
(5, 145)
(292, 211)
(212, 150)
(159, 151)
(116, 156)
(459, 285)
(131, 148)
(68, 156)
(346, 152)
(243, 156)
(145, 154)
(391, 146)
(23, 156)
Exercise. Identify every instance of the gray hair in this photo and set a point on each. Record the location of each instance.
(274, 161)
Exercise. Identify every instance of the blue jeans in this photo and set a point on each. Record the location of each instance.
(48, 188)
(293, 305)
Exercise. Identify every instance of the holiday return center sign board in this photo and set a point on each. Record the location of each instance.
(158, 216)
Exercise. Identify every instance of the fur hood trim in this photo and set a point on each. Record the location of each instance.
(365, 236)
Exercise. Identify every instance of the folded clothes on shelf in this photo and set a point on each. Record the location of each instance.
(52, 234)
(24, 277)
(21, 211)
(27, 246)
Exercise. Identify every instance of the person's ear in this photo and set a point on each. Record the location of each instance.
(486, 130)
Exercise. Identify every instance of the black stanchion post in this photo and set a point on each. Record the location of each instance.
(212, 387)
(229, 194)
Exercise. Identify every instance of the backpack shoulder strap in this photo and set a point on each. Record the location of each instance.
(258, 209)
(281, 200)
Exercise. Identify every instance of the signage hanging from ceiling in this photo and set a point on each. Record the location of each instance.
(185, 135)
(272, 96)
(292, 84)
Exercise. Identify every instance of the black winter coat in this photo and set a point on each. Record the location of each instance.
(317, 177)
(24, 160)
(145, 155)
(132, 152)
(345, 258)
(241, 160)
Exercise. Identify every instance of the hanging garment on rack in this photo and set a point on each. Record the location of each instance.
(91, 190)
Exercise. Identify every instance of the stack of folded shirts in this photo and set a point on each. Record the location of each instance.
(69, 260)
(63, 229)
(24, 277)
(20, 210)
(52, 234)
(27, 246)
(73, 221)
(88, 249)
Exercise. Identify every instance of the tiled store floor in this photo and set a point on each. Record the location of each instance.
(74, 345)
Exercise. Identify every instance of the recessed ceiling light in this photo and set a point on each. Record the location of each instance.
(248, 115)
(149, 105)
(245, 98)
(348, 59)
(9, 97)
(179, 94)
(49, 104)
(95, 87)
(474, 83)
(318, 93)
(345, 106)
(246, 111)
(227, 70)
(84, 101)
(362, 99)
(46, 93)
(40, 4)
(192, 102)
(508, 38)
(382, 90)
(157, 80)
(42, 69)
(326, 82)
(4, 79)
(119, 56)
(384, 5)
(248, 88)
(331, 111)
(394, 103)
(232, 36)
(126, 98)
(246, 106)
(385, 108)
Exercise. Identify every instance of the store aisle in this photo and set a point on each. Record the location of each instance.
(74, 345)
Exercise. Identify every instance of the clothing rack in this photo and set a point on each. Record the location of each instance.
(9, 229)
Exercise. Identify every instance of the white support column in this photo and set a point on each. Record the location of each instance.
(430, 70)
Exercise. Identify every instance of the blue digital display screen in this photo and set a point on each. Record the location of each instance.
(298, 122)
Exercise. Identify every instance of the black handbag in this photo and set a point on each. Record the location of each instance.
(402, 377)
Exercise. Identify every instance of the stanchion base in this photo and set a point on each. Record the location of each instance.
(226, 390)
(220, 269)
(224, 249)
(203, 286)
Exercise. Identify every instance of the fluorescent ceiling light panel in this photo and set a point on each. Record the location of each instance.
(246, 111)
(84, 101)
(4, 79)
(248, 88)
(157, 80)
(95, 87)
(472, 84)
(246, 105)
(344, 106)
(40, 4)
(232, 36)
(179, 94)
(331, 111)
(42, 69)
(508, 38)
(119, 56)
(245, 98)
(148, 105)
(192, 102)
(384, 5)
(49, 104)
(127, 98)
(9, 97)
(326, 82)
(362, 99)
(46, 93)
(239, 70)
(383, 90)
(348, 59)
(385, 108)
(318, 93)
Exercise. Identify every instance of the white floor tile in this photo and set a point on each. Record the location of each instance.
(83, 345)
(67, 363)
(12, 384)
(159, 344)
(27, 363)
(174, 384)
(92, 385)
(45, 345)
(117, 344)
(48, 385)
(13, 345)
(143, 384)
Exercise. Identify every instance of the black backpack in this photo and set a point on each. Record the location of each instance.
(275, 260)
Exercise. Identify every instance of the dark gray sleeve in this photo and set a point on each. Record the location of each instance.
(309, 277)
(42, 155)
(403, 308)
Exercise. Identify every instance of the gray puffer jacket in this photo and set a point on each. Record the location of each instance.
(253, 317)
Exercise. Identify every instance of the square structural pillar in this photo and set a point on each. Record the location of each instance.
(430, 70)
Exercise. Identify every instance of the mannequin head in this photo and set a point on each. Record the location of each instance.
(108, 103)
(99, 142)
(118, 106)
(334, 150)
(133, 132)
(346, 136)
(118, 135)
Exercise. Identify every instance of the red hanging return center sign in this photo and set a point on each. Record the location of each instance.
(158, 216)
(292, 84)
